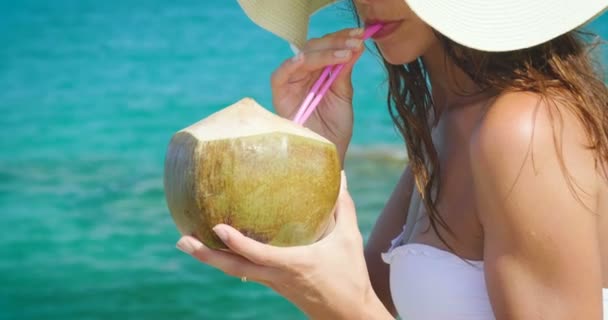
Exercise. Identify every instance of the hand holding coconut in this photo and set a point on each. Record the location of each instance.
(268, 197)
(326, 280)
(333, 118)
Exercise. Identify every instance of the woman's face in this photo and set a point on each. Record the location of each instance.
(404, 36)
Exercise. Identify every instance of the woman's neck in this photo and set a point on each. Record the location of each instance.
(451, 87)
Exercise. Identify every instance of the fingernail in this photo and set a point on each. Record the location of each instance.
(354, 43)
(297, 57)
(188, 245)
(341, 53)
(221, 233)
(356, 32)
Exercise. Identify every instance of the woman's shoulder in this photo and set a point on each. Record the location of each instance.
(518, 119)
(517, 116)
(526, 129)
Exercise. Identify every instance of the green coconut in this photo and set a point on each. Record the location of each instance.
(273, 180)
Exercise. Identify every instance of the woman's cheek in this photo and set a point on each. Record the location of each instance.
(397, 55)
(407, 46)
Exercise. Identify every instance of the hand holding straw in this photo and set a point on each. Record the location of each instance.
(315, 95)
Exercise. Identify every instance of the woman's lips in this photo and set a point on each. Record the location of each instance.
(387, 28)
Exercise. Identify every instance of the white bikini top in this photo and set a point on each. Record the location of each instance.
(428, 283)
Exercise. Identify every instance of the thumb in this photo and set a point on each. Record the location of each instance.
(346, 215)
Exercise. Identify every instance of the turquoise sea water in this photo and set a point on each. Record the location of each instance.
(91, 93)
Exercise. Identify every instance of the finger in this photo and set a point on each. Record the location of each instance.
(318, 53)
(354, 44)
(227, 262)
(282, 74)
(316, 60)
(330, 227)
(335, 40)
(344, 78)
(254, 251)
(346, 217)
(308, 62)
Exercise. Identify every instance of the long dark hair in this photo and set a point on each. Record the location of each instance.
(562, 70)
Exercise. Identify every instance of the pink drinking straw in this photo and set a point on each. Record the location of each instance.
(313, 98)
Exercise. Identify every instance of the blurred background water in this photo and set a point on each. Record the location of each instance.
(91, 92)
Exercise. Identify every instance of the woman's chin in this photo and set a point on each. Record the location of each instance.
(397, 61)
(396, 57)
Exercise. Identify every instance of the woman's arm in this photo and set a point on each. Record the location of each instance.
(541, 249)
(387, 227)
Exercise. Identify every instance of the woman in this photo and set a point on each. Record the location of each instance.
(501, 212)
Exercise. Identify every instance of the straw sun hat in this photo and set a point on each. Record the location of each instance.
(489, 25)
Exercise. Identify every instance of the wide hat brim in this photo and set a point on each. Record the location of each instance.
(505, 25)
(287, 19)
(499, 25)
